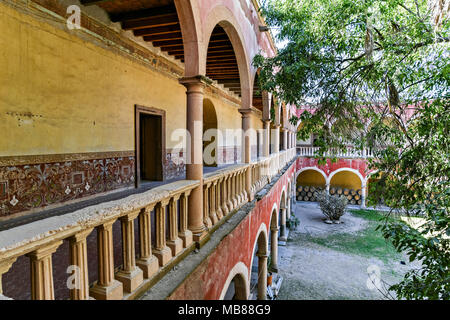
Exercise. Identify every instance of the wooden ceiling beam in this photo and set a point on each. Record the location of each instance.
(144, 13)
(154, 22)
(157, 30)
(164, 37)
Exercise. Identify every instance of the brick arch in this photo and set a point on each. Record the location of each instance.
(221, 15)
(240, 273)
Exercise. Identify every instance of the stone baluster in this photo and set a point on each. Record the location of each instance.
(107, 288)
(212, 203)
(78, 258)
(206, 219)
(185, 234)
(162, 251)
(224, 196)
(174, 243)
(219, 211)
(42, 272)
(147, 261)
(131, 276)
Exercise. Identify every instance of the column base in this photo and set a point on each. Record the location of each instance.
(230, 206)
(175, 246)
(130, 280)
(214, 218)
(225, 210)
(274, 268)
(219, 214)
(164, 255)
(149, 266)
(186, 237)
(198, 237)
(112, 292)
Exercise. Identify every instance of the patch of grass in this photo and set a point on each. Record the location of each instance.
(368, 242)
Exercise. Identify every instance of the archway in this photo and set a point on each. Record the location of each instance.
(227, 61)
(210, 135)
(273, 240)
(236, 286)
(282, 216)
(309, 182)
(258, 276)
(347, 183)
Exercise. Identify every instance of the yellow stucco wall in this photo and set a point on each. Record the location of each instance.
(61, 94)
(311, 178)
(345, 179)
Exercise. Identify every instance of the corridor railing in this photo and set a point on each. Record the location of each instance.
(350, 152)
(162, 237)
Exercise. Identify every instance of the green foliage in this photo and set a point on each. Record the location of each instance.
(360, 69)
(293, 222)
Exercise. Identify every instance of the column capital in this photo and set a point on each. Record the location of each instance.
(45, 251)
(195, 80)
(245, 112)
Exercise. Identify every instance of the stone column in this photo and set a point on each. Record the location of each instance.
(185, 234)
(5, 265)
(285, 134)
(42, 272)
(107, 288)
(131, 276)
(288, 212)
(266, 138)
(162, 251)
(274, 249)
(262, 276)
(147, 261)
(174, 243)
(363, 196)
(247, 129)
(276, 145)
(283, 224)
(78, 258)
(327, 188)
(194, 169)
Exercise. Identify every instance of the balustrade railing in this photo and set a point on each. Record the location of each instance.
(350, 152)
(162, 216)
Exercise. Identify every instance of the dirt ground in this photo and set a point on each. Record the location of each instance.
(339, 261)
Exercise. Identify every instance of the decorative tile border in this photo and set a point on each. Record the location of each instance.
(35, 182)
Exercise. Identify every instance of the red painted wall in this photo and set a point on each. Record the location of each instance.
(209, 278)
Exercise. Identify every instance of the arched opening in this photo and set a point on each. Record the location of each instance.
(258, 278)
(210, 135)
(347, 184)
(257, 102)
(221, 62)
(273, 241)
(236, 289)
(309, 182)
(282, 217)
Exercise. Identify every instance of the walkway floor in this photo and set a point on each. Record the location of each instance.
(71, 207)
(339, 261)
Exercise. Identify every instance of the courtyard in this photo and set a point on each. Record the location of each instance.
(348, 261)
